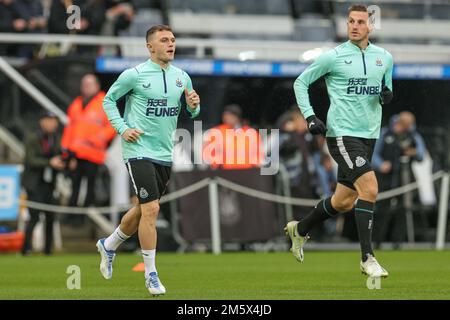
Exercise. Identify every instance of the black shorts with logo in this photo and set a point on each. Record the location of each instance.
(149, 179)
(353, 156)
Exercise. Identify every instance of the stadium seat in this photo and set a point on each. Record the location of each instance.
(312, 29)
(141, 22)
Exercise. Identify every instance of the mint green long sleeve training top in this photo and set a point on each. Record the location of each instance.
(154, 98)
(354, 80)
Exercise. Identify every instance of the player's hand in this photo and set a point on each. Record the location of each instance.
(315, 125)
(192, 98)
(131, 135)
(386, 95)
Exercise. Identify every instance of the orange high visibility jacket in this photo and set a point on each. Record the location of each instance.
(89, 131)
(235, 148)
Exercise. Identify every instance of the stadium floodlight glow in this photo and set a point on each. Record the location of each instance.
(247, 55)
(310, 55)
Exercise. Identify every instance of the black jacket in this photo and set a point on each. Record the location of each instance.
(39, 149)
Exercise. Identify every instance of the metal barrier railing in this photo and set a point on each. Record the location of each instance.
(213, 184)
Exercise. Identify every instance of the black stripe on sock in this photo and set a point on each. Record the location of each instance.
(121, 238)
(321, 212)
(329, 208)
(363, 206)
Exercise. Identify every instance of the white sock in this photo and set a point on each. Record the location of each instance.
(115, 239)
(149, 260)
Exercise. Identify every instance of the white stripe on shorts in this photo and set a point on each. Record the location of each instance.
(132, 178)
(344, 153)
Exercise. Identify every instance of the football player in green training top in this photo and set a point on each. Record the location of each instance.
(358, 76)
(155, 92)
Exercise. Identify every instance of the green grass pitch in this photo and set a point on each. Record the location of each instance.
(323, 275)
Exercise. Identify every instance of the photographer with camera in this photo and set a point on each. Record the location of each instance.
(399, 145)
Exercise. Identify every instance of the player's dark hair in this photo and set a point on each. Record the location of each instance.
(154, 29)
(358, 7)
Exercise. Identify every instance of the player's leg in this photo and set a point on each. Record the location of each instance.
(147, 233)
(149, 198)
(367, 187)
(341, 201)
(107, 246)
(148, 239)
(354, 171)
(130, 221)
(366, 184)
(128, 226)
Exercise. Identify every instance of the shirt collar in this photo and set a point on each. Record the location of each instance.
(157, 66)
(355, 47)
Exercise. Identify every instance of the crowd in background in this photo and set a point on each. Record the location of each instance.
(97, 17)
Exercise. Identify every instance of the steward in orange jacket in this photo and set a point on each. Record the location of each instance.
(89, 131)
(87, 137)
(232, 145)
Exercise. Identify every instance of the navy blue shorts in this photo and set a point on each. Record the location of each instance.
(353, 156)
(149, 179)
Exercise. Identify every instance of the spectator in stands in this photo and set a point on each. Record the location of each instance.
(10, 20)
(119, 14)
(92, 16)
(325, 168)
(32, 12)
(21, 16)
(321, 158)
(58, 16)
(295, 147)
(42, 161)
(232, 145)
(307, 161)
(399, 140)
(118, 17)
(87, 136)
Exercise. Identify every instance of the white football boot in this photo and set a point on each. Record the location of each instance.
(107, 258)
(372, 268)
(297, 240)
(154, 285)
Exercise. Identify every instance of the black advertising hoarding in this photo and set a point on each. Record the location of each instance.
(242, 218)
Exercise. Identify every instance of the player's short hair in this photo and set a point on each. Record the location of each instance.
(154, 29)
(358, 7)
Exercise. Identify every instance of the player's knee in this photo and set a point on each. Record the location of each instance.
(344, 205)
(150, 210)
(369, 193)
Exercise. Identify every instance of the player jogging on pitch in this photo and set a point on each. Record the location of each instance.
(358, 76)
(155, 93)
